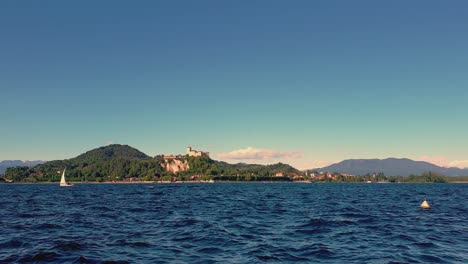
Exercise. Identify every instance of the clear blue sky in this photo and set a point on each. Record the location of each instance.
(323, 80)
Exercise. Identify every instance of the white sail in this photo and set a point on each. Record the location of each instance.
(63, 182)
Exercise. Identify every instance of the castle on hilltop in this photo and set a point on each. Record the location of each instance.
(191, 152)
(195, 153)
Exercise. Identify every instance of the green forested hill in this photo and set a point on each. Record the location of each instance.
(113, 162)
(220, 170)
(256, 169)
(111, 152)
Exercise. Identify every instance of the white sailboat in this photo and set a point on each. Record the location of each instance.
(63, 182)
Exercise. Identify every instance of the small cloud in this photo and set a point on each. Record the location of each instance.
(252, 153)
(459, 164)
(437, 160)
(107, 143)
(444, 162)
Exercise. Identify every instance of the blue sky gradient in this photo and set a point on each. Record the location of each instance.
(330, 80)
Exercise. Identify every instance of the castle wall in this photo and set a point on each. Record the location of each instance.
(196, 153)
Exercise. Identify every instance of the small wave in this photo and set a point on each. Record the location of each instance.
(312, 231)
(431, 259)
(319, 226)
(26, 215)
(267, 258)
(368, 220)
(139, 244)
(279, 211)
(176, 251)
(210, 250)
(315, 222)
(137, 210)
(82, 259)
(107, 215)
(287, 257)
(343, 222)
(20, 227)
(102, 208)
(405, 237)
(48, 226)
(42, 256)
(425, 244)
(183, 237)
(185, 222)
(12, 243)
(69, 246)
(354, 215)
(402, 247)
(115, 262)
(322, 253)
(248, 236)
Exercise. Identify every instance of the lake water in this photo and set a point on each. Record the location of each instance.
(234, 223)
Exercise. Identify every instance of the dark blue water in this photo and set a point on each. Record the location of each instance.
(235, 223)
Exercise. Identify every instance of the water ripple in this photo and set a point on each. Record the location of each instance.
(234, 223)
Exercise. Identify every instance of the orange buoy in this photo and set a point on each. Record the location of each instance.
(425, 205)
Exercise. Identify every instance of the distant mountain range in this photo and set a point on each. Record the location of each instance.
(391, 167)
(16, 163)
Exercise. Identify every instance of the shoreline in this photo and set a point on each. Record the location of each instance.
(205, 182)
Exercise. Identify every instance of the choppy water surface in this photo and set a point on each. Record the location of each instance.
(240, 223)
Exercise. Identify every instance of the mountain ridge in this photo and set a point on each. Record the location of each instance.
(5, 164)
(391, 167)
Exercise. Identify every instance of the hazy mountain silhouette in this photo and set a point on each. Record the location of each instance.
(15, 163)
(391, 167)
